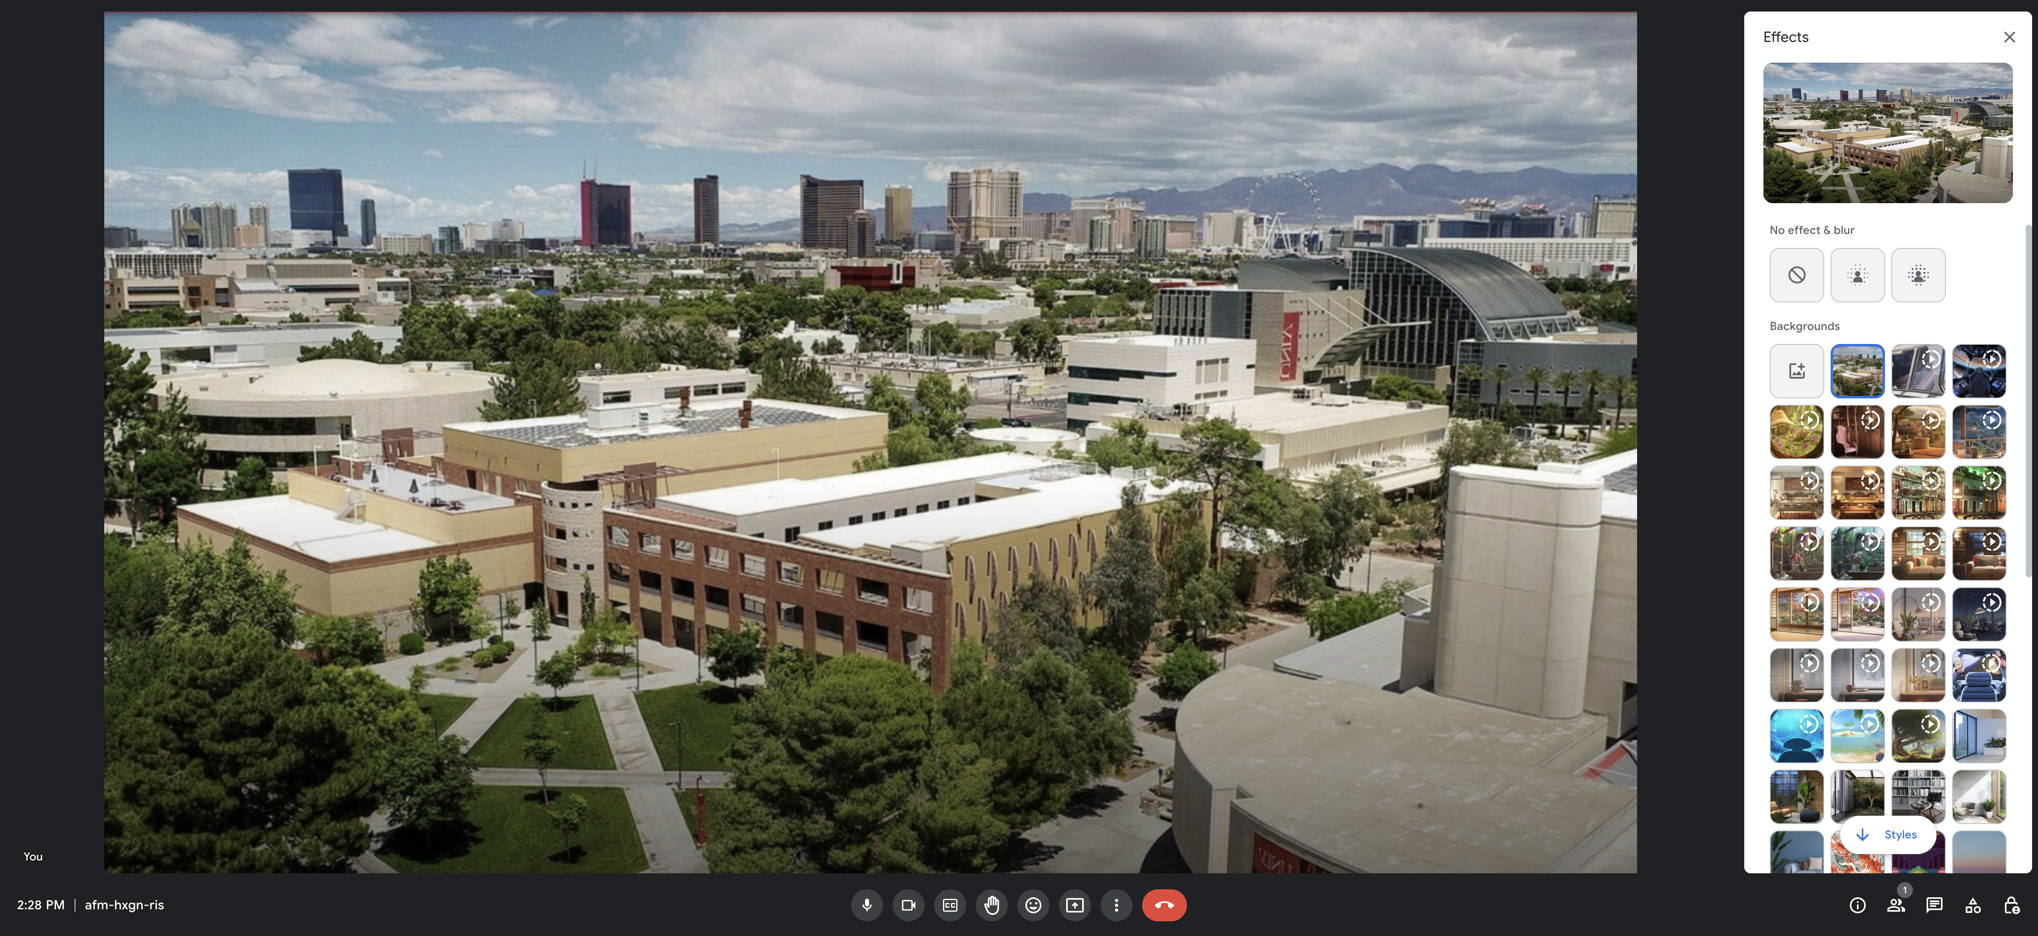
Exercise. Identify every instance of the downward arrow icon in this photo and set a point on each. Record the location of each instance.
(1862, 835)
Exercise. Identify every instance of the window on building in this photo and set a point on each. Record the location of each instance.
(753, 608)
(707, 389)
(649, 580)
(920, 600)
(753, 565)
(618, 575)
(920, 509)
(1214, 370)
(828, 625)
(682, 550)
(983, 611)
(829, 580)
(1053, 558)
(1012, 561)
(682, 590)
(718, 557)
(559, 533)
(855, 519)
(969, 570)
(940, 505)
(619, 537)
(718, 599)
(791, 616)
(827, 524)
(873, 636)
(673, 393)
(615, 396)
(958, 617)
(789, 573)
(962, 501)
(651, 543)
(899, 512)
(732, 388)
(1033, 556)
(559, 562)
(792, 533)
(873, 590)
(1072, 553)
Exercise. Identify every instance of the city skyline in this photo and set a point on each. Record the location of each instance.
(447, 119)
(1828, 79)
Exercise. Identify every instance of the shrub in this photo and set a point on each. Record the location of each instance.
(494, 639)
(447, 665)
(604, 669)
(411, 644)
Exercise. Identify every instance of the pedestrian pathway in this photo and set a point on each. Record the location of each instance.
(661, 826)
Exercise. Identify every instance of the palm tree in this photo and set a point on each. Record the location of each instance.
(1535, 374)
(1623, 387)
(1593, 381)
(1473, 374)
(1564, 381)
(1499, 386)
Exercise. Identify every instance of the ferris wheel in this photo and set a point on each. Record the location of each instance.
(1271, 234)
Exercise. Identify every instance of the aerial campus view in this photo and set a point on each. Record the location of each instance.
(533, 447)
(1854, 133)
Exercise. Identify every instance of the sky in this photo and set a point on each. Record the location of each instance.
(1826, 79)
(445, 119)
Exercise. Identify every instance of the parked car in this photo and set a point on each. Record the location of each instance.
(1014, 421)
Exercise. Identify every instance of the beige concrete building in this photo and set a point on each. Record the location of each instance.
(1505, 743)
(306, 414)
(1805, 152)
(1307, 432)
(706, 445)
(356, 545)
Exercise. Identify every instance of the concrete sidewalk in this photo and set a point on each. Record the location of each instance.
(626, 779)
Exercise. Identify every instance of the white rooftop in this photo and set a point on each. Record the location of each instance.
(1167, 341)
(1801, 148)
(330, 378)
(308, 528)
(1281, 412)
(766, 496)
(1048, 499)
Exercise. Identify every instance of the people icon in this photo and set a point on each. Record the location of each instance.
(1896, 905)
(1917, 276)
(1857, 276)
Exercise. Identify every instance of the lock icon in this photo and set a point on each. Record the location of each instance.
(2010, 906)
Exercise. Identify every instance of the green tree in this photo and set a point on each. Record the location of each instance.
(1220, 456)
(428, 784)
(1206, 602)
(819, 770)
(419, 679)
(881, 395)
(943, 405)
(1884, 186)
(250, 478)
(211, 592)
(1126, 447)
(226, 753)
(163, 479)
(348, 314)
(1392, 387)
(1623, 390)
(433, 333)
(1785, 179)
(1047, 732)
(1181, 671)
(829, 345)
(343, 641)
(787, 374)
(1536, 375)
(1040, 615)
(735, 653)
(1334, 616)
(1500, 395)
(1482, 443)
(136, 579)
(942, 338)
(447, 587)
(558, 671)
(1350, 506)
(539, 748)
(355, 347)
(1126, 585)
(1108, 678)
(567, 818)
(532, 386)
(910, 445)
(1034, 340)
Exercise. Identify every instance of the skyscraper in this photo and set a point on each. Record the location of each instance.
(507, 229)
(367, 222)
(983, 203)
(604, 214)
(258, 215)
(1797, 94)
(121, 238)
(1614, 217)
(707, 210)
(898, 213)
(318, 202)
(1123, 212)
(1843, 95)
(447, 241)
(825, 206)
(862, 234)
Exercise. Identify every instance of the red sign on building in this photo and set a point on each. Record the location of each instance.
(1291, 343)
(1269, 858)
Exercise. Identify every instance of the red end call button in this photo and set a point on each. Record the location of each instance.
(1164, 906)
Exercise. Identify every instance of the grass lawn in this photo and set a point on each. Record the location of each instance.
(444, 709)
(576, 726)
(1831, 196)
(687, 806)
(508, 832)
(709, 713)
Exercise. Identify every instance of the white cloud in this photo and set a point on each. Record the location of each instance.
(435, 154)
(637, 27)
(537, 131)
(168, 60)
(534, 22)
(1147, 100)
(489, 95)
(370, 39)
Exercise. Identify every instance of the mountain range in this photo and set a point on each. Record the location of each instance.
(1339, 195)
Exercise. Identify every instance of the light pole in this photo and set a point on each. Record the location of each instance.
(679, 759)
(637, 649)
